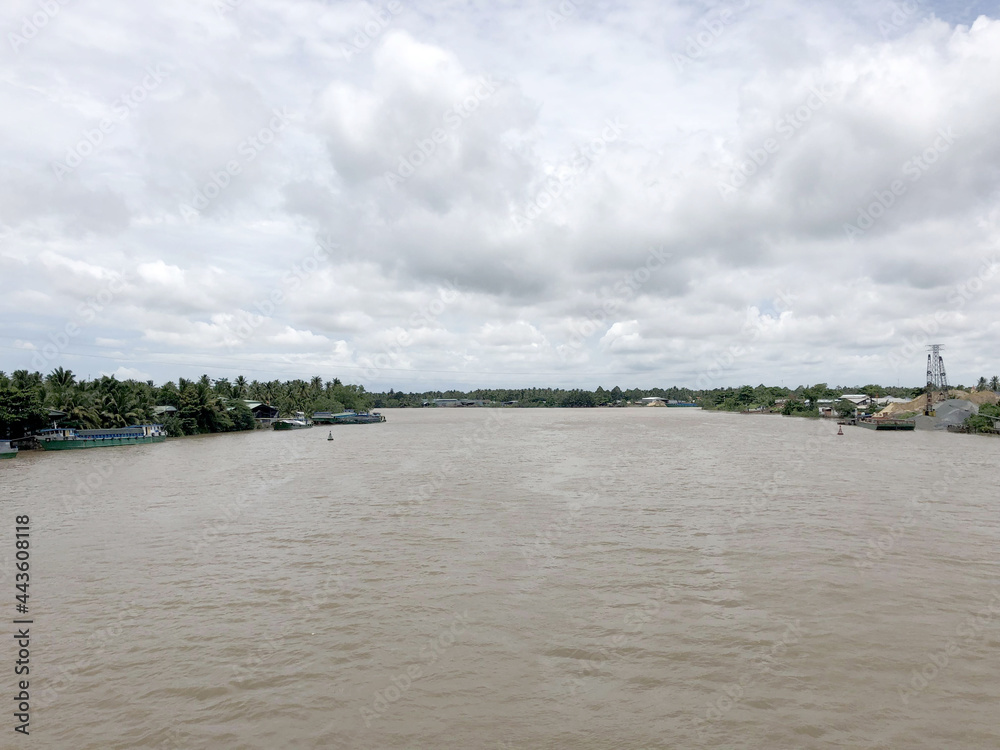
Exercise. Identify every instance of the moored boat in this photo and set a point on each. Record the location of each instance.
(67, 438)
(887, 424)
(297, 422)
(347, 417)
(291, 424)
(7, 450)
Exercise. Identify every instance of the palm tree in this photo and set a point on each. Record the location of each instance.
(112, 410)
(27, 381)
(60, 379)
(240, 386)
(981, 385)
(256, 390)
(995, 383)
(223, 388)
(78, 407)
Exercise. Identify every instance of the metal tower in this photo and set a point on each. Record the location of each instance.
(937, 378)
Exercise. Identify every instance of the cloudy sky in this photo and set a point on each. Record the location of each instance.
(452, 194)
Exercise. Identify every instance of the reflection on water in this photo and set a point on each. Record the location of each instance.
(517, 579)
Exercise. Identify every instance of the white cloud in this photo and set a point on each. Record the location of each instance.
(815, 111)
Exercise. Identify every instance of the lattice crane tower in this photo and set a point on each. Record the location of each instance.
(937, 379)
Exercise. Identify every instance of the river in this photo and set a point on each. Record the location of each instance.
(513, 579)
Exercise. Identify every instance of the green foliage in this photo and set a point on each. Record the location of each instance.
(172, 424)
(22, 409)
(797, 408)
(845, 408)
(980, 422)
(241, 416)
(578, 399)
(202, 405)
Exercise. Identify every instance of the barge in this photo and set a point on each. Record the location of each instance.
(347, 417)
(887, 424)
(67, 438)
(291, 424)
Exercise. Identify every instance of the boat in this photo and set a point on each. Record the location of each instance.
(292, 424)
(7, 450)
(68, 438)
(874, 423)
(347, 417)
(298, 422)
(684, 404)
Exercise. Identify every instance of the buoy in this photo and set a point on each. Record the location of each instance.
(840, 430)
(331, 435)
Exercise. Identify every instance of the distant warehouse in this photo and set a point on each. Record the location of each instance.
(458, 402)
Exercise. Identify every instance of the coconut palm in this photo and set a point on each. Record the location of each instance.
(223, 388)
(995, 383)
(60, 379)
(78, 406)
(240, 387)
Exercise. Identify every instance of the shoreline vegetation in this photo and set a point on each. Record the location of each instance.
(30, 401)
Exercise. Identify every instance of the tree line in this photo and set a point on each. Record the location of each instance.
(533, 397)
(206, 405)
(203, 405)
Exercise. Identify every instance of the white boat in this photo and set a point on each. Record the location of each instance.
(7, 450)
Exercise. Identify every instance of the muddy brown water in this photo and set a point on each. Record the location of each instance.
(480, 578)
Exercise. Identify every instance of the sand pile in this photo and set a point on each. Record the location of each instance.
(979, 398)
(917, 404)
(920, 402)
